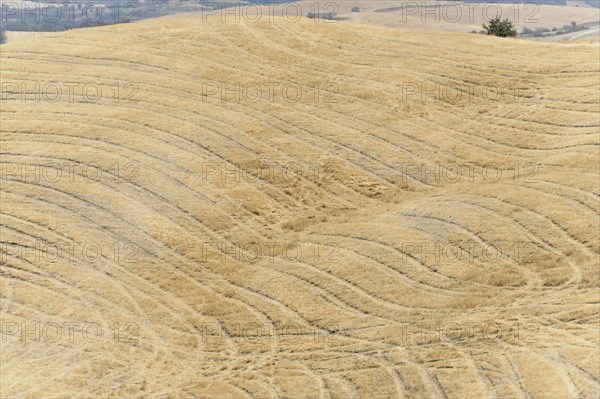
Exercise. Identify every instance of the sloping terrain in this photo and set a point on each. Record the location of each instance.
(401, 214)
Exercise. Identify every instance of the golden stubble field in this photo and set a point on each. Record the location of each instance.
(303, 210)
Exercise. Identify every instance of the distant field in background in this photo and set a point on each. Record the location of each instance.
(443, 15)
(341, 198)
(436, 15)
(12, 36)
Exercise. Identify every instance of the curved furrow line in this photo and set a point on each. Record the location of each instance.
(542, 122)
(7, 55)
(553, 221)
(179, 146)
(330, 297)
(382, 126)
(186, 186)
(441, 53)
(159, 210)
(533, 280)
(169, 177)
(566, 186)
(108, 277)
(417, 283)
(576, 271)
(141, 279)
(573, 200)
(312, 114)
(121, 284)
(237, 286)
(185, 256)
(502, 143)
(475, 83)
(179, 166)
(422, 61)
(510, 147)
(361, 153)
(354, 287)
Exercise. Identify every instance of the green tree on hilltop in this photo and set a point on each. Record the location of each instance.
(500, 28)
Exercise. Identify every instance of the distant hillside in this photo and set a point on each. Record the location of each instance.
(550, 2)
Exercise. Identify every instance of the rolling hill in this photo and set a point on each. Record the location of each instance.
(192, 208)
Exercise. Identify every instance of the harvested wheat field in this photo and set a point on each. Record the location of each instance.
(200, 209)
